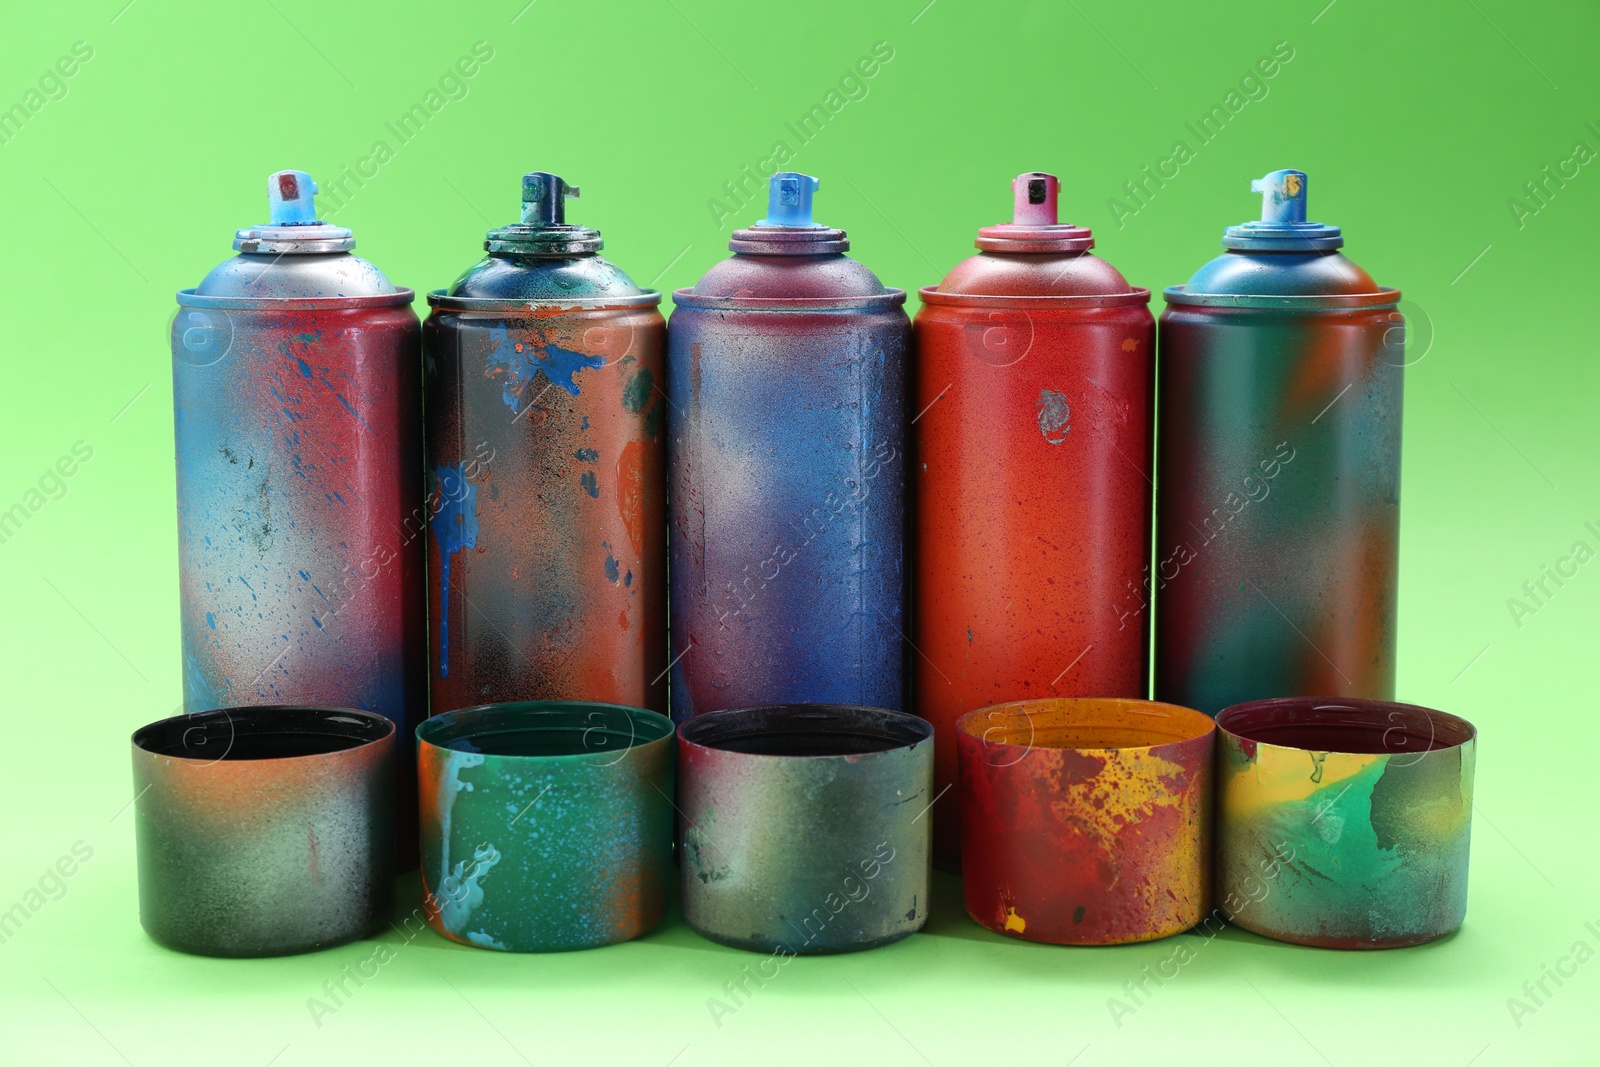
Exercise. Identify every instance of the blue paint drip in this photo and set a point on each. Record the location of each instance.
(455, 527)
(211, 619)
(559, 365)
(305, 368)
(611, 567)
(589, 484)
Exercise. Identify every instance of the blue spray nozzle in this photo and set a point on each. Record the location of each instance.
(1283, 197)
(789, 200)
(292, 196)
(1282, 226)
(544, 199)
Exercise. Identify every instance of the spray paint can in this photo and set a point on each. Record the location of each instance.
(1279, 468)
(295, 379)
(546, 472)
(787, 384)
(1034, 435)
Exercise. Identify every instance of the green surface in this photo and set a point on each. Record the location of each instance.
(1417, 124)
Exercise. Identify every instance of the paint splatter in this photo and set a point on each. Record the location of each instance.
(588, 455)
(631, 493)
(637, 392)
(455, 527)
(590, 485)
(521, 363)
(1054, 415)
(458, 892)
(1014, 922)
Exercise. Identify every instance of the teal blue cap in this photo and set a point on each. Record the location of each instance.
(1282, 226)
(292, 196)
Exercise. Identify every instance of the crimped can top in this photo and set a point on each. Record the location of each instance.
(1034, 262)
(542, 261)
(1282, 261)
(294, 261)
(788, 262)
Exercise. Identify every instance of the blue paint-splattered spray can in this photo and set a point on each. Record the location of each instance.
(295, 380)
(787, 377)
(546, 472)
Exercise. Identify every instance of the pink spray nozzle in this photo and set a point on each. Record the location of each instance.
(1035, 225)
(1035, 195)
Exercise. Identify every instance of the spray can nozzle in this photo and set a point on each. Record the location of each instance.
(293, 226)
(1282, 226)
(291, 195)
(1283, 197)
(544, 199)
(789, 200)
(1035, 196)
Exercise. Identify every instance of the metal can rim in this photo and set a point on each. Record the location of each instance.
(1193, 725)
(145, 737)
(1329, 302)
(859, 715)
(1375, 715)
(486, 714)
(441, 299)
(931, 294)
(889, 299)
(190, 299)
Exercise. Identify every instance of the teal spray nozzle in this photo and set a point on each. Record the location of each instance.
(292, 196)
(544, 199)
(789, 200)
(1283, 197)
(542, 229)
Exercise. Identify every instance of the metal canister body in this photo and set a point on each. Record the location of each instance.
(787, 378)
(1343, 823)
(546, 473)
(296, 394)
(1033, 465)
(1279, 469)
(804, 827)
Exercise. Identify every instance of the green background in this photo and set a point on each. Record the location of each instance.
(1417, 123)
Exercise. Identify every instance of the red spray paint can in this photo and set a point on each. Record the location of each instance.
(1033, 433)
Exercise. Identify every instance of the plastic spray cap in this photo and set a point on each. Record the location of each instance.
(292, 196)
(789, 200)
(1034, 199)
(1034, 225)
(544, 199)
(1283, 197)
(543, 229)
(294, 226)
(1282, 226)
